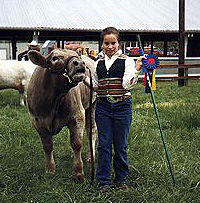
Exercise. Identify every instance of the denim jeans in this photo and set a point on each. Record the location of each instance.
(113, 124)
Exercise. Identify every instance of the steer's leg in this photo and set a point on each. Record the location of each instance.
(76, 129)
(22, 101)
(94, 130)
(48, 147)
(21, 92)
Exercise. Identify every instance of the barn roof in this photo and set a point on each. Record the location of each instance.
(94, 15)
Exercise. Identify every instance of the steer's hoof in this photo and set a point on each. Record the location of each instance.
(78, 178)
(50, 171)
(50, 168)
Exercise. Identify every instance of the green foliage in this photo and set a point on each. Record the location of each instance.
(22, 173)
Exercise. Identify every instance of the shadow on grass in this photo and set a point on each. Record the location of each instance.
(9, 97)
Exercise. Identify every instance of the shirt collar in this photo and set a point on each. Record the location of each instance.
(119, 52)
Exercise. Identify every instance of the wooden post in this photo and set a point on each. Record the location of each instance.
(58, 43)
(165, 48)
(14, 49)
(63, 44)
(182, 71)
(152, 47)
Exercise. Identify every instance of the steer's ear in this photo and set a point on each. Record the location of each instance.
(37, 58)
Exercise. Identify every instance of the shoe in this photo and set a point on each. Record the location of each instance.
(123, 186)
(103, 189)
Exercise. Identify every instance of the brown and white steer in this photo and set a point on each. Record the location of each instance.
(57, 97)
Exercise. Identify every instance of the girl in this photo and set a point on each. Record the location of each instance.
(114, 77)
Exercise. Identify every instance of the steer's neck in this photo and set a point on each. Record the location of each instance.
(54, 87)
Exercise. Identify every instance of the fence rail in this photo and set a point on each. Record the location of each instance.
(176, 77)
(180, 66)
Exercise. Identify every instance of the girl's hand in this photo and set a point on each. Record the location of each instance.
(138, 65)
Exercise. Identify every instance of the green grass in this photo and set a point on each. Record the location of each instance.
(22, 173)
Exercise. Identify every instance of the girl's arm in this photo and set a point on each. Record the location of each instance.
(86, 80)
(132, 71)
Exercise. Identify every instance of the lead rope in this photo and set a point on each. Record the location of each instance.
(90, 134)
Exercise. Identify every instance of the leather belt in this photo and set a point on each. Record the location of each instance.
(113, 100)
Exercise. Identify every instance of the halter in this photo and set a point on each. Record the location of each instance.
(63, 71)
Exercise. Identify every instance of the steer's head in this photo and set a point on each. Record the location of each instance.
(64, 63)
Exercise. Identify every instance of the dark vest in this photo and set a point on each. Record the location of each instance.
(110, 82)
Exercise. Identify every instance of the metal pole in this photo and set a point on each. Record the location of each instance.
(160, 128)
(156, 112)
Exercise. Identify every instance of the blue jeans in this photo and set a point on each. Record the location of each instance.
(113, 124)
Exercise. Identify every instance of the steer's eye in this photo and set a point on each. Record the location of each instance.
(55, 58)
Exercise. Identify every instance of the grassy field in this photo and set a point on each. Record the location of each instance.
(22, 174)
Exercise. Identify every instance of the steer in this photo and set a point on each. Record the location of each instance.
(16, 75)
(57, 97)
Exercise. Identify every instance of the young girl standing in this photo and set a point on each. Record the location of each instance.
(114, 77)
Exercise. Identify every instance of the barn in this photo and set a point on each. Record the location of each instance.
(157, 21)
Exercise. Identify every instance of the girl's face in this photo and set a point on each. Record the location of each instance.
(110, 44)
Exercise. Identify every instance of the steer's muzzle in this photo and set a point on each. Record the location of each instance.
(79, 67)
(77, 70)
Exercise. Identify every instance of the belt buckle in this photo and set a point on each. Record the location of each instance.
(111, 99)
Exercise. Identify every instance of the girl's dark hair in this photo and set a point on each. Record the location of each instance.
(107, 31)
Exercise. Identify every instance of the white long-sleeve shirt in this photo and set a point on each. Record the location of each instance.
(130, 71)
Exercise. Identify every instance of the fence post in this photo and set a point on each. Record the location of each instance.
(181, 71)
(14, 49)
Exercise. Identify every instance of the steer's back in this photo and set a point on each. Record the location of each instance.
(13, 72)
